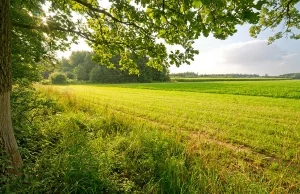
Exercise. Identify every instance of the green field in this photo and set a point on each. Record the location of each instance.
(277, 89)
(207, 79)
(244, 135)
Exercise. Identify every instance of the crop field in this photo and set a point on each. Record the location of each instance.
(246, 130)
(276, 89)
(206, 79)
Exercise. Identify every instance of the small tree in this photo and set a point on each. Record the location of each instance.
(58, 78)
(95, 75)
(296, 76)
(70, 75)
(81, 73)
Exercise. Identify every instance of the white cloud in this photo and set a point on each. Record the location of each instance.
(254, 56)
(255, 52)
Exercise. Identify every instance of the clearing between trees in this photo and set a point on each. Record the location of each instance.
(242, 143)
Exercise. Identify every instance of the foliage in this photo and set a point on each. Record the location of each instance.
(185, 74)
(278, 13)
(291, 75)
(177, 23)
(128, 29)
(81, 73)
(84, 69)
(195, 75)
(101, 74)
(29, 109)
(70, 75)
(132, 28)
(65, 65)
(31, 48)
(58, 78)
(45, 82)
(150, 74)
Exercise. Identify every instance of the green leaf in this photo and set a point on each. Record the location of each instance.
(182, 9)
(251, 17)
(163, 19)
(196, 3)
(259, 4)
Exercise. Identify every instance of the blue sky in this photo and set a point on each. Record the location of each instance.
(237, 54)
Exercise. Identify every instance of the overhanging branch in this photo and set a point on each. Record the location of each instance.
(50, 28)
(95, 9)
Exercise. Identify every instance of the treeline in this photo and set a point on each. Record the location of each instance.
(291, 75)
(196, 75)
(185, 75)
(81, 67)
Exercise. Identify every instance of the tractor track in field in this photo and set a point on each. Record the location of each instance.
(240, 157)
(204, 137)
(198, 137)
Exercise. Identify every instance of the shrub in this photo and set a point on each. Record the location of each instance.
(58, 78)
(45, 82)
(102, 74)
(72, 81)
(70, 75)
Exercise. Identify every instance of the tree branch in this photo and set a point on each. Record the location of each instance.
(92, 8)
(48, 29)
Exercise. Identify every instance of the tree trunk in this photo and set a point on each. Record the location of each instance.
(7, 139)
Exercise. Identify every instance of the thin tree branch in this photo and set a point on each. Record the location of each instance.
(50, 28)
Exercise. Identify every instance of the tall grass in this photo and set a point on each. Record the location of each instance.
(84, 151)
(133, 156)
(80, 147)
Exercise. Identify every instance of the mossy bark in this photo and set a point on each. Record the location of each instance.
(7, 139)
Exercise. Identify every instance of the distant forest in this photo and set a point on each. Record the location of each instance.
(232, 75)
(291, 75)
(196, 75)
(81, 67)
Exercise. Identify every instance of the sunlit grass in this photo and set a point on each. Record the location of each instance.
(277, 89)
(249, 136)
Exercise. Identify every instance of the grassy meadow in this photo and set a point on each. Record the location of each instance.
(270, 88)
(208, 137)
(208, 79)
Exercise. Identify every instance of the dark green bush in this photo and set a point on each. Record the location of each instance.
(45, 82)
(30, 111)
(58, 78)
(70, 75)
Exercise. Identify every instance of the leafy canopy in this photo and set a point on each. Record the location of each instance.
(278, 13)
(34, 39)
(140, 27)
(81, 67)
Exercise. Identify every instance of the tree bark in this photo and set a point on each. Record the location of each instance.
(7, 139)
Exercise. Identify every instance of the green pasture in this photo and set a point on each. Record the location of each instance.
(255, 134)
(206, 79)
(276, 89)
